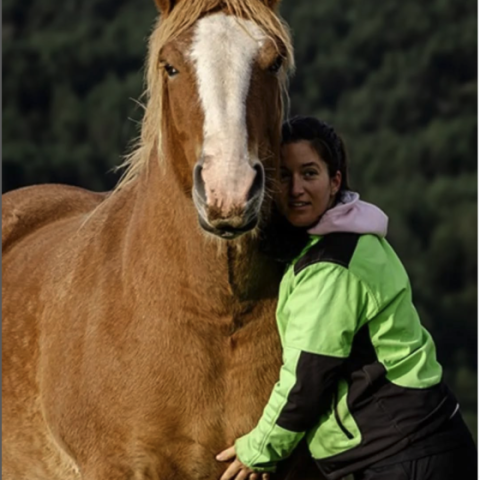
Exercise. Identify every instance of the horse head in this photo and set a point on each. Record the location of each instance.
(219, 68)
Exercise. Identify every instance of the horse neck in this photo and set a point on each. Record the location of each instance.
(166, 244)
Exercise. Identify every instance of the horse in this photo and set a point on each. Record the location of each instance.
(139, 334)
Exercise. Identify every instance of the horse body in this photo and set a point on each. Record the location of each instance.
(125, 397)
(137, 346)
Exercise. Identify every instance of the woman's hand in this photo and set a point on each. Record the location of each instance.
(237, 470)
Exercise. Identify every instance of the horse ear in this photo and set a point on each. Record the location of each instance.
(165, 6)
(271, 3)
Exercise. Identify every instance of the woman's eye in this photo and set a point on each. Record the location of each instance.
(310, 173)
(171, 70)
(276, 65)
(284, 176)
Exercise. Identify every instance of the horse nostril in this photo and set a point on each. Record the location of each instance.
(198, 182)
(258, 183)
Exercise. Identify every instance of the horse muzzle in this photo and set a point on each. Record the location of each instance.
(224, 214)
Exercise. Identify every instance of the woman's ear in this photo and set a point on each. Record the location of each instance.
(336, 183)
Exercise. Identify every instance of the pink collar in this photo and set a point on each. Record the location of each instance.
(352, 215)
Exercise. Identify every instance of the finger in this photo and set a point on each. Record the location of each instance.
(232, 470)
(244, 474)
(265, 476)
(227, 454)
(254, 476)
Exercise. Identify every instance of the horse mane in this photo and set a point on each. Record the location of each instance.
(183, 17)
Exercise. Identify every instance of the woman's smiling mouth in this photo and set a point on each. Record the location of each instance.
(298, 205)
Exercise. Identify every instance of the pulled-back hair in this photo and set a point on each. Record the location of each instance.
(323, 139)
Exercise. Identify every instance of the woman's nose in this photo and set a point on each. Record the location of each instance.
(296, 187)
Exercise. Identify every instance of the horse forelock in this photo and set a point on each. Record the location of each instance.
(182, 18)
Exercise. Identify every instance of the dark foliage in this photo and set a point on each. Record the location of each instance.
(397, 79)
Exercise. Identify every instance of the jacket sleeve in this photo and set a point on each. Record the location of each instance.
(324, 310)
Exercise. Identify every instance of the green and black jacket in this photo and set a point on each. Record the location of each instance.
(360, 379)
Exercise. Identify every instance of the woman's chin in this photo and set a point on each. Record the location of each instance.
(301, 221)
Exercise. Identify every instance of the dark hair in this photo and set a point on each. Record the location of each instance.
(323, 139)
(280, 240)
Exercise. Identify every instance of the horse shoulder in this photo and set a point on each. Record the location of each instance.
(27, 209)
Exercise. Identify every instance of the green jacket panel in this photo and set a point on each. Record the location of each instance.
(403, 346)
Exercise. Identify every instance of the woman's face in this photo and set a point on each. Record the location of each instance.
(307, 190)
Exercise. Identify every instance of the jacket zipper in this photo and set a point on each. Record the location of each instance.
(337, 417)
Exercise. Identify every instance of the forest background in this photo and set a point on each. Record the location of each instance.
(397, 79)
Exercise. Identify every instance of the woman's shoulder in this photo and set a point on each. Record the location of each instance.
(369, 257)
(336, 248)
(339, 248)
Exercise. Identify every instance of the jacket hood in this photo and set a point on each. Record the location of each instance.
(352, 215)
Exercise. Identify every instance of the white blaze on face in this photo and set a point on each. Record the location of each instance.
(223, 51)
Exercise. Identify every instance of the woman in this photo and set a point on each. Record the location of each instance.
(359, 377)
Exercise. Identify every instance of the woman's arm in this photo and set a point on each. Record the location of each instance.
(326, 307)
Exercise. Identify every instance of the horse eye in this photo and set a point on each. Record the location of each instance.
(171, 71)
(276, 65)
